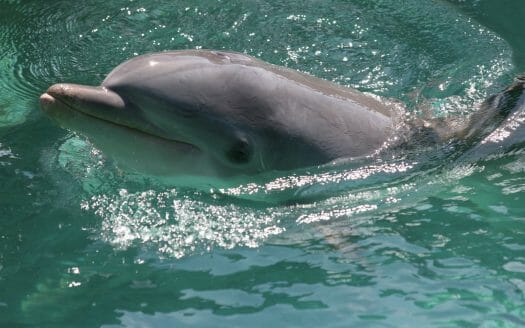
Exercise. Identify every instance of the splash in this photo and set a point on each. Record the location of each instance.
(176, 224)
(5, 154)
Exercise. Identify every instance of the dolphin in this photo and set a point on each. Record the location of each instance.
(225, 114)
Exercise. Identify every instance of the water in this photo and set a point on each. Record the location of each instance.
(404, 243)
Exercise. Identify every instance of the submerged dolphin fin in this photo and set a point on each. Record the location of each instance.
(472, 129)
(494, 111)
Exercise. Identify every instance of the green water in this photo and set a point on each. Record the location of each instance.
(397, 244)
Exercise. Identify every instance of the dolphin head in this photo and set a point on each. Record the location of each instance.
(171, 113)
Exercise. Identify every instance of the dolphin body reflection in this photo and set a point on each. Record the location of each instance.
(224, 114)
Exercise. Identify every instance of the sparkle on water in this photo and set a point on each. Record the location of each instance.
(426, 238)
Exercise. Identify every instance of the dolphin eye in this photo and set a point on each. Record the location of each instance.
(240, 152)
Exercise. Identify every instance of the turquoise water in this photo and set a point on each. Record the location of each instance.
(403, 243)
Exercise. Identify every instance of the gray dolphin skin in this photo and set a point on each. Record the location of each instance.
(216, 113)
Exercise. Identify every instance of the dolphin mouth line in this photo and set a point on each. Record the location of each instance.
(49, 99)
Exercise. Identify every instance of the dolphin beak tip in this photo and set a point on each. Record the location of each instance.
(46, 101)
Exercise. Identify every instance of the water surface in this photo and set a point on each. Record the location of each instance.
(438, 243)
